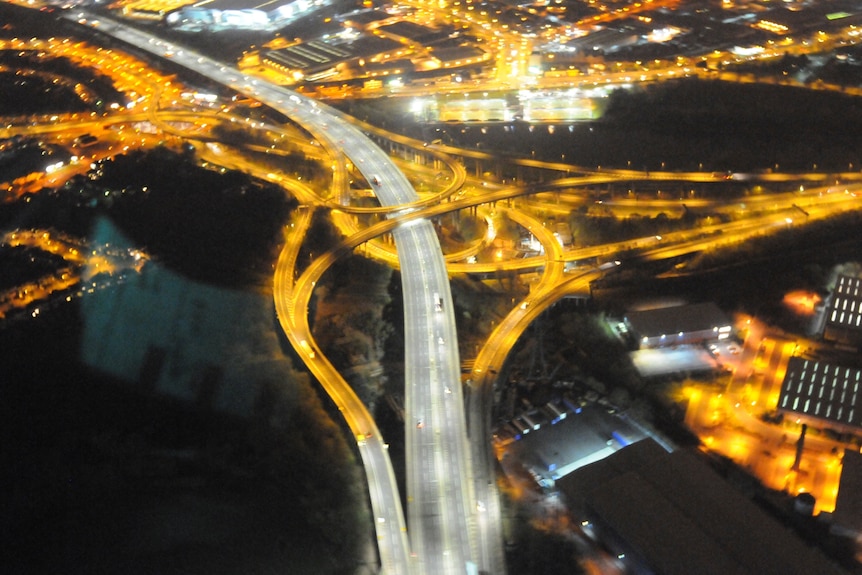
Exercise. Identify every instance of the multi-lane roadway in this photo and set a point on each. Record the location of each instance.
(452, 506)
(442, 511)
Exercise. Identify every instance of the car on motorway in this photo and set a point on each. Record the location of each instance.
(307, 349)
(85, 140)
(375, 180)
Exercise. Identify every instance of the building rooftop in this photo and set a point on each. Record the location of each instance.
(848, 506)
(581, 438)
(677, 319)
(578, 485)
(673, 515)
(457, 53)
(420, 34)
(822, 390)
(845, 310)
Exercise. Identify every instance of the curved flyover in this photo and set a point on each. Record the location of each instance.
(441, 507)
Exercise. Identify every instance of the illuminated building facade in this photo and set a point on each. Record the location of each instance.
(678, 325)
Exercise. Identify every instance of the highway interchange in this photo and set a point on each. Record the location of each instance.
(441, 510)
(453, 508)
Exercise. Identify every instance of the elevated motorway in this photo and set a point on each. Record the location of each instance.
(442, 510)
(435, 435)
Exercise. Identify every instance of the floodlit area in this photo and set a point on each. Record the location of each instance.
(682, 359)
(546, 212)
(736, 416)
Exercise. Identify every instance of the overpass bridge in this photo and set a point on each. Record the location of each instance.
(443, 514)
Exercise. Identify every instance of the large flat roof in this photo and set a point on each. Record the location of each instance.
(679, 517)
(581, 438)
(848, 506)
(677, 319)
(845, 309)
(822, 390)
(420, 34)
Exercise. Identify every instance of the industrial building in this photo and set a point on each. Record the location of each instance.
(670, 514)
(821, 393)
(678, 325)
(847, 517)
(558, 439)
(844, 312)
